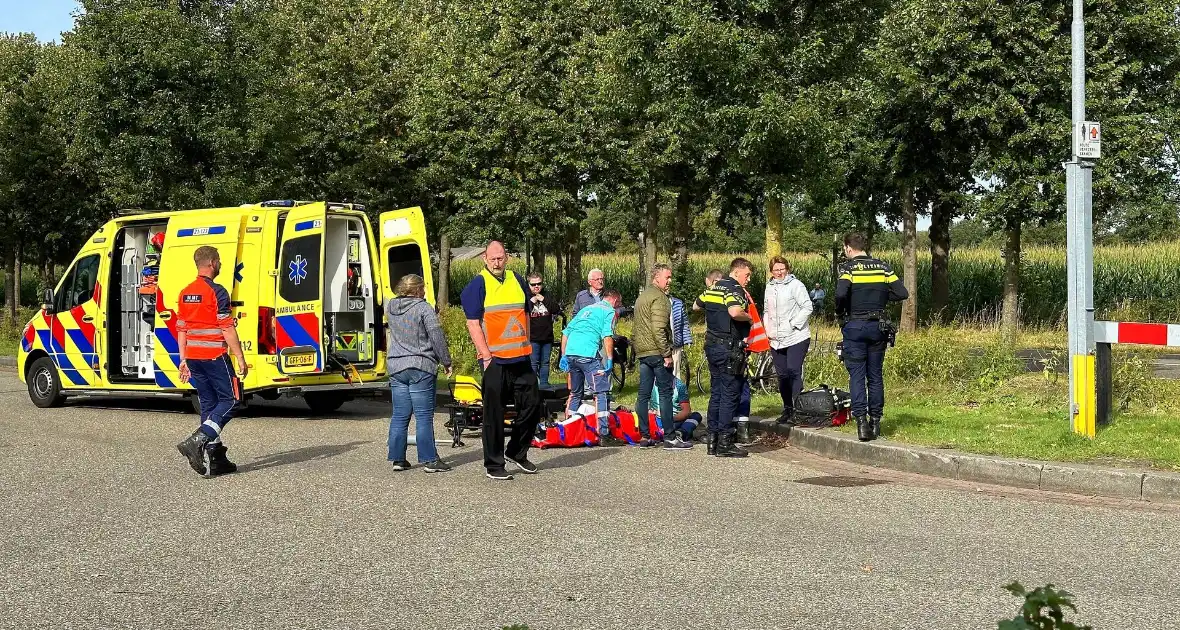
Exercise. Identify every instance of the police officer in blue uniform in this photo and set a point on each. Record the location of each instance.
(864, 289)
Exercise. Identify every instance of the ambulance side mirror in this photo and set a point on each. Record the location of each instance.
(47, 302)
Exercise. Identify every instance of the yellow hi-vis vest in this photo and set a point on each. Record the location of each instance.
(505, 321)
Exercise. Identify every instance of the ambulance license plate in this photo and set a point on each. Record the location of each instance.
(298, 360)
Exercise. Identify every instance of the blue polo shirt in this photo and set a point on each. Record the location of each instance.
(472, 301)
(587, 330)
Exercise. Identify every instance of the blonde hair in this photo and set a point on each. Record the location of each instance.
(411, 285)
(205, 256)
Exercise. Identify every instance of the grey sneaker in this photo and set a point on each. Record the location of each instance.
(193, 448)
(677, 443)
(436, 466)
(647, 443)
(401, 465)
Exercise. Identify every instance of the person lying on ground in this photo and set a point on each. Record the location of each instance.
(686, 420)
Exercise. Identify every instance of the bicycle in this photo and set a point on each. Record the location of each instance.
(623, 359)
(760, 373)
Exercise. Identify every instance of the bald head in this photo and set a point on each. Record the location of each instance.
(495, 258)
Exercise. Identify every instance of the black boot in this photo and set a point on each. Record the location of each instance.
(193, 448)
(727, 448)
(864, 430)
(742, 436)
(218, 463)
(711, 449)
(875, 427)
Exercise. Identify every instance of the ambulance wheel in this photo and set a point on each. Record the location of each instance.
(323, 402)
(45, 384)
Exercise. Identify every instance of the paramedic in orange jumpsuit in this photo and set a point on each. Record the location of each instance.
(206, 330)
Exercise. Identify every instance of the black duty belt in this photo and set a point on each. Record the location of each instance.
(721, 340)
(872, 316)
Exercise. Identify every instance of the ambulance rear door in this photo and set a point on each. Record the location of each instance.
(186, 232)
(299, 306)
(404, 250)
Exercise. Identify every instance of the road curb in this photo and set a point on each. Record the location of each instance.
(7, 361)
(1143, 485)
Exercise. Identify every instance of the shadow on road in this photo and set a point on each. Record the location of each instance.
(470, 455)
(299, 455)
(577, 458)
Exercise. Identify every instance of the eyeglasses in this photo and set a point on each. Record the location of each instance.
(535, 284)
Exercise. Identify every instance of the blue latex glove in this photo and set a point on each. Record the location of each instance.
(607, 365)
(564, 364)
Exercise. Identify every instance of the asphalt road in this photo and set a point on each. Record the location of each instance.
(105, 526)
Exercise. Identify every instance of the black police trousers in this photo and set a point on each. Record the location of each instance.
(864, 357)
(725, 390)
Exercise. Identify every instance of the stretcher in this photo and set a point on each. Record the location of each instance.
(466, 407)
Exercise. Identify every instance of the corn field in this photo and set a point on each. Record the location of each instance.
(1131, 283)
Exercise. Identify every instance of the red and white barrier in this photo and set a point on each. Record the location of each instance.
(1131, 332)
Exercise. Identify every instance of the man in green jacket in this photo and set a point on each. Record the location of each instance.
(653, 347)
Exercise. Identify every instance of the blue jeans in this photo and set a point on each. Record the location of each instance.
(217, 390)
(541, 354)
(864, 356)
(589, 370)
(653, 373)
(413, 392)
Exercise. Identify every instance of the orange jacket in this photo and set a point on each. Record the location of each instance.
(204, 311)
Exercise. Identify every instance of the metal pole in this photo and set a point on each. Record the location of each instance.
(1082, 385)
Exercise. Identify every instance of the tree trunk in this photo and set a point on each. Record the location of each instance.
(558, 282)
(47, 276)
(651, 230)
(573, 265)
(909, 258)
(940, 249)
(837, 251)
(774, 226)
(10, 287)
(1010, 320)
(442, 299)
(19, 274)
(683, 229)
(538, 265)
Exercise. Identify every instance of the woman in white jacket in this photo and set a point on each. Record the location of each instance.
(788, 307)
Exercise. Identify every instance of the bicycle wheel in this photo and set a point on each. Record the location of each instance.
(701, 376)
(768, 375)
(618, 376)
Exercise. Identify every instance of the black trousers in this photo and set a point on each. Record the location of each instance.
(515, 383)
(725, 390)
(788, 363)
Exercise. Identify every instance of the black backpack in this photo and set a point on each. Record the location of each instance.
(821, 407)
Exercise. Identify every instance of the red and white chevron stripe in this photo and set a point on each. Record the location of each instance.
(1131, 332)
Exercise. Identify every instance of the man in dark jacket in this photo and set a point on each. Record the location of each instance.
(653, 348)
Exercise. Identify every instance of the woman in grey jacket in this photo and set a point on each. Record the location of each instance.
(417, 346)
(788, 307)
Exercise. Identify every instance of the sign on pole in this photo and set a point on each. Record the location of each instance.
(1089, 141)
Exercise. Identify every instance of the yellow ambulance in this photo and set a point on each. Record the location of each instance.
(307, 281)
